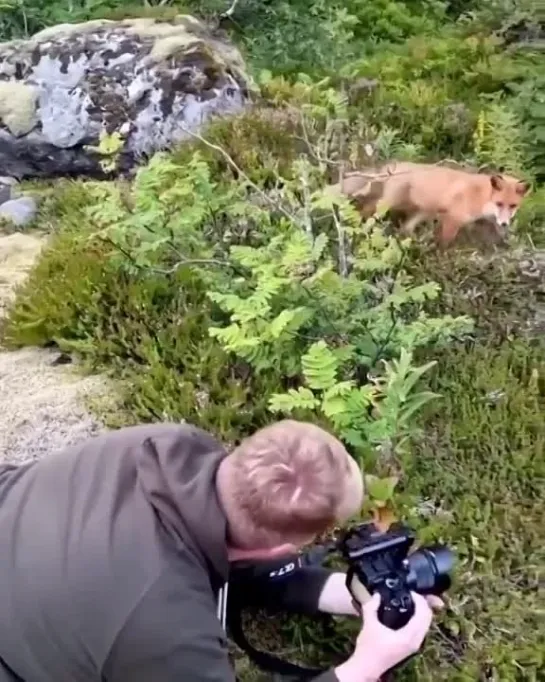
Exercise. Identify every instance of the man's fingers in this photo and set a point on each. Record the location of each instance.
(436, 603)
(371, 605)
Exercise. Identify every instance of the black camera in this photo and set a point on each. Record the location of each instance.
(380, 562)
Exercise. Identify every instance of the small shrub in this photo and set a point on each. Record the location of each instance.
(279, 285)
(262, 141)
(499, 140)
(430, 90)
(531, 217)
(151, 332)
(529, 102)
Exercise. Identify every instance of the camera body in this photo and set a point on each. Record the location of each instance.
(380, 562)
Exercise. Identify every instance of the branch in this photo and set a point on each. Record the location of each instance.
(172, 270)
(242, 174)
(324, 160)
(381, 348)
(343, 260)
(307, 220)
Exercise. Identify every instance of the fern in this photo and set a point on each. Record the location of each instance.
(499, 139)
(290, 309)
(320, 367)
(364, 416)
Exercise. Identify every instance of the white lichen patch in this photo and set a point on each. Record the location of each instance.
(18, 107)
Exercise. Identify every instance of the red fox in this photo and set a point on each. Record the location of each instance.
(424, 191)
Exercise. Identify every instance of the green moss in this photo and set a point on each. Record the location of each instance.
(488, 284)
(482, 465)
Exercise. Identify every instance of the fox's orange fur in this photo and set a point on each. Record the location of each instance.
(424, 192)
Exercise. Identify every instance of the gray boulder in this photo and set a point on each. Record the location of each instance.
(148, 81)
(20, 211)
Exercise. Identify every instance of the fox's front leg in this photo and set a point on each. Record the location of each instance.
(449, 229)
(410, 225)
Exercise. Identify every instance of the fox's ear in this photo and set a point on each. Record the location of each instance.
(523, 188)
(497, 182)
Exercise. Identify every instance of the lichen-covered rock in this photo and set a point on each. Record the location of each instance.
(150, 81)
(5, 192)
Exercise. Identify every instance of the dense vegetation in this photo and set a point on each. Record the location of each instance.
(224, 287)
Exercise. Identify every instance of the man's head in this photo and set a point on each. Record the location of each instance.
(283, 486)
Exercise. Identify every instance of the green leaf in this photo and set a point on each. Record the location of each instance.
(380, 489)
(418, 402)
(342, 388)
(286, 319)
(333, 406)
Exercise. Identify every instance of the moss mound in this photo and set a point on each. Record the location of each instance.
(150, 332)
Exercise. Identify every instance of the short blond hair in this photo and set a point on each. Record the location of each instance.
(288, 482)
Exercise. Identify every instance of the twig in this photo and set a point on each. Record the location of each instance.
(168, 271)
(393, 316)
(327, 161)
(307, 220)
(229, 12)
(324, 160)
(343, 260)
(242, 174)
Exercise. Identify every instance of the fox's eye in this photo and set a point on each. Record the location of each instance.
(512, 206)
(499, 204)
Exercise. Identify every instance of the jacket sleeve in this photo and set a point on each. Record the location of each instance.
(172, 634)
(292, 585)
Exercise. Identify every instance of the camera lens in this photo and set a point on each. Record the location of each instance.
(429, 569)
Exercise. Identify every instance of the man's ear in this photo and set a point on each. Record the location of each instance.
(523, 188)
(497, 182)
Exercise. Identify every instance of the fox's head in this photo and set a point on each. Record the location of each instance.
(507, 195)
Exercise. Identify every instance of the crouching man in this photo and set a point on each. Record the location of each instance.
(114, 552)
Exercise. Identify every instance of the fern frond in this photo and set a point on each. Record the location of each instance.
(320, 366)
(288, 320)
(302, 398)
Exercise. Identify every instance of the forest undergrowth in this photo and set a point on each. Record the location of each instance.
(223, 286)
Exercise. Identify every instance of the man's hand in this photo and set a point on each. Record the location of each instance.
(337, 600)
(379, 648)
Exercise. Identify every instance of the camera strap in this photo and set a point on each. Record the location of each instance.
(262, 659)
(263, 578)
